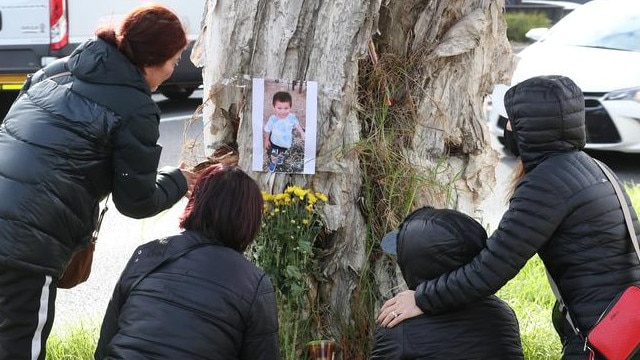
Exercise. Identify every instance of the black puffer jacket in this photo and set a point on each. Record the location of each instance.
(563, 208)
(210, 303)
(69, 141)
(484, 330)
(431, 242)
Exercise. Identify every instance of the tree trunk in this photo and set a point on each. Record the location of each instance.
(447, 55)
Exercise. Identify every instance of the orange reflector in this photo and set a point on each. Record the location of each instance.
(12, 81)
(12, 78)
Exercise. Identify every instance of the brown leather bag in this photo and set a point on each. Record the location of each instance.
(79, 268)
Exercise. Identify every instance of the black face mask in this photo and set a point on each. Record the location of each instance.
(510, 142)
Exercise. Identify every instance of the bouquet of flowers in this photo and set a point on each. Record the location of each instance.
(284, 248)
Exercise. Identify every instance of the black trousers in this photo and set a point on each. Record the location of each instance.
(26, 313)
(276, 150)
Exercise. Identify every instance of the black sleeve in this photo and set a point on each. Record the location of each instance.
(109, 327)
(140, 190)
(535, 212)
(261, 342)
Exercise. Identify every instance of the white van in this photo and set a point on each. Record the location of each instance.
(35, 32)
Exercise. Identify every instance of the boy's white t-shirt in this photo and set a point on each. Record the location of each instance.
(281, 130)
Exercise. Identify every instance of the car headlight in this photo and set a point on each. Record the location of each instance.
(624, 94)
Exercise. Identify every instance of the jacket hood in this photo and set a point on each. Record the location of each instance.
(547, 117)
(99, 62)
(432, 241)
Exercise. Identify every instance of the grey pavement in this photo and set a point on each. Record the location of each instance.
(86, 303)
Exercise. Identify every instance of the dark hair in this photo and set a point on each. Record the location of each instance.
(226, 205)
(282, 96)
(148, 36)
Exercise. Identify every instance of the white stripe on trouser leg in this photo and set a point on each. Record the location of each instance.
(43, 312)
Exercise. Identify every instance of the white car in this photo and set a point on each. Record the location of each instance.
(597, 45)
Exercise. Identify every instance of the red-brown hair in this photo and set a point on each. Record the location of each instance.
(518, 174)
(226, 205)
(149, 35)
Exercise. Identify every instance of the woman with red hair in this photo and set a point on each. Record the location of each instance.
(83, 127)
(194, 295)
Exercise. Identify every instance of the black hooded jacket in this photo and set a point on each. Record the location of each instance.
(83, 127)
(431, 242)
(208, 303)
(563, 208)
(484, 330)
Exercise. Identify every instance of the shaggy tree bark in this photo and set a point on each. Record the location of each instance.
(459, 50)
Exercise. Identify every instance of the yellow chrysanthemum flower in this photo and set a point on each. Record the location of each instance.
(266, 197)
(311, 199)
(322, 197)
(299, 192)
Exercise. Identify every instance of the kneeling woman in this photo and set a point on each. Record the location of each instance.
(194, 295)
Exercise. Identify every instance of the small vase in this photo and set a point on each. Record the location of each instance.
(322, 349)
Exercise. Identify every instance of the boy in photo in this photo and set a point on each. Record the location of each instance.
(278, 131)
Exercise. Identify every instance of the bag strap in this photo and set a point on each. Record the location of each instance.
(563, 307)
(625, 207)
(634, 240)
(94, 236)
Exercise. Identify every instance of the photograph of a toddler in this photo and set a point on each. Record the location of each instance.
(278, 131)
(284, 119)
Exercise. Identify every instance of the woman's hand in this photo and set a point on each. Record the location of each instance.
(190, 176)
(398, 308)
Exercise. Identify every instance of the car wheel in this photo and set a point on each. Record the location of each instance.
(177, 93)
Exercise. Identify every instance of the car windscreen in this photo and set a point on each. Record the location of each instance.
(611, 27)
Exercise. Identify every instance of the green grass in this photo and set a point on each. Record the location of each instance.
(531, 298)
(518, 23)
(634, 194)
(73, 343)
(528, 294)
